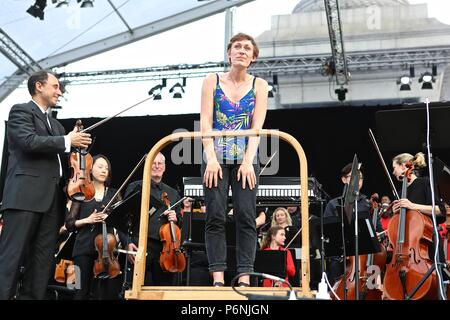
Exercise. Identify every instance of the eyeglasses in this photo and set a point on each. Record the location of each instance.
(159, 163)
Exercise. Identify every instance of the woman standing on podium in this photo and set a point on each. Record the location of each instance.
(82, 216)
(233, 100)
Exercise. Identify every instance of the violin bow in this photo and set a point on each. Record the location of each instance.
(270, 159)
(95, 125)
(375, 144)
(296, 235)
(124, 183)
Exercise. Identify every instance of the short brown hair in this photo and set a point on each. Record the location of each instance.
(38, 76)
(243, 36)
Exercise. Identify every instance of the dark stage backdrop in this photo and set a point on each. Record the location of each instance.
(329, 136)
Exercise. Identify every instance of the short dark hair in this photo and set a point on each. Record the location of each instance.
(108, 179)
(38, 76)
(347, 169)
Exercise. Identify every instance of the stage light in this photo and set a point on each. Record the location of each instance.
(37, 10)
(272, 89)
(341, 93)
(61, 3)
(156, 92)
(427, 79)
(405, 83)
(178, 90)
(86, 3)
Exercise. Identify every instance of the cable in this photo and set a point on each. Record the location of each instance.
(329, 286)
(433, 204)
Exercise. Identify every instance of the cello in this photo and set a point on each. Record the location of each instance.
(410, 233)
(368, 264)
(171, 258)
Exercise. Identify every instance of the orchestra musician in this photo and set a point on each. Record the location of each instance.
(154, 275)
(275, 240)
(82, 216)
(335, 265)
(33, 200)
(282, 218)
(418, 192)
(233, 100)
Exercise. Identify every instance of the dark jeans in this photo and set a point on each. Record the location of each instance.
(244, 212)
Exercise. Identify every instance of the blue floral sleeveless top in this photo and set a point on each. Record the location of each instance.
(230, 115)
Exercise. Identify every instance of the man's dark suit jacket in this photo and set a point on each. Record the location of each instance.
(33, 175)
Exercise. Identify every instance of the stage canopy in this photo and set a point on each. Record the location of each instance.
(71, 32)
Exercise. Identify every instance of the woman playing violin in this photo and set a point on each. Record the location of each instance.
(82, 216)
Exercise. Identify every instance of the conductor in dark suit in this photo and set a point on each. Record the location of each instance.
(33, 202)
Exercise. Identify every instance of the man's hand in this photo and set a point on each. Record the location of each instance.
(78, 139)
(171, 215)
(131, 257)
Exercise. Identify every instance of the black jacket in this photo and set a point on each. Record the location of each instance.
(33, 175)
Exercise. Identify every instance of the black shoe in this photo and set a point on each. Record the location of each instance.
(243, 284)
(218, 284)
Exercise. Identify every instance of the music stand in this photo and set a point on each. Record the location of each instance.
(127, 212)
(271, 262)
(350, 207)
(66, 251)
(193, 237)
(333, 237)
(442, 174)
(393, 123)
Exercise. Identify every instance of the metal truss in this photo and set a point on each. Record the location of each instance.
(16, 54)
(398, 59)
(339, 63)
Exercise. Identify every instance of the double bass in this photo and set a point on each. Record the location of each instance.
(410, 233)
(171, 258)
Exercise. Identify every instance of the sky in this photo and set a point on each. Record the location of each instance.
(169, 48)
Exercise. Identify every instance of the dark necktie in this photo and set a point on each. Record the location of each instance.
(48, 122)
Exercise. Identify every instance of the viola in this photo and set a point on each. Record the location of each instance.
(106, 265)
(410, 233)
(171, 258)
(80, 186)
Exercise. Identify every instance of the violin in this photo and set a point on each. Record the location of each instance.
(106, 265)
(369, 264)
(171, 258)
(410, 233)
(65, 271)
(80, 187)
